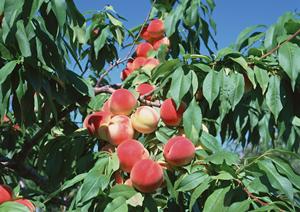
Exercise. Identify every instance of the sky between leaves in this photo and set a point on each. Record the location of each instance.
(231, 16)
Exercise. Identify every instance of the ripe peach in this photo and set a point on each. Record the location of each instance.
(119, 129)
(143, 49)
(156, 29)
(168, 113)
(129, 152)
(27, 203)
(146, 176)
(125, 73)
(145, 34)
(145, 88)
(106, 106)
(96, 124)
(163, 41)
(145, 119)
(118, 177)
(5, 193)
(179, 151)
(138, 62)
(151, 63)
(128, 182)
(122, 102)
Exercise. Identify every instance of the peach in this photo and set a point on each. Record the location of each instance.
(27, 203)
(145, 119)
(156, 29)
(106, 106)
(151, 63)
(143, 49)
(5, 193)
(129, 152)
(164, 41)
(145, 34)
(118, 177)
(119, 129)
(145, 88)
(125, 73)
(146, 176)
(169, 114)
(128, 182)
(138, 62)
(179, 151)
(96, 124)
(122, 102)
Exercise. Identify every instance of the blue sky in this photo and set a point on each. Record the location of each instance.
(231, 16)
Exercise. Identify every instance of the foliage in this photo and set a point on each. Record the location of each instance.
(251, 93)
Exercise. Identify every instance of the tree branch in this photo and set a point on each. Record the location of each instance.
(281, 44)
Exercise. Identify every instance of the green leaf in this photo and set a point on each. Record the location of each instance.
(273, 96)
(117, 205)
(211, 87)
(191, 181)
(122, 190)
(270, 37)
(100, 40)
(192, 121)
(215, 202)
(60, 10)
(262, 78)
(277, 181)
(239, 86)
(136, 200)
(6, 70)
(209, 142)
(285, 169)
(198, 191)
(220, 157)
(13, 207)
(22, 39)
(166, 68)
(114, 21)
(244, 36)
(180, 85)
(80, 84)
(289, 60)
(173, 18)
(239, 206)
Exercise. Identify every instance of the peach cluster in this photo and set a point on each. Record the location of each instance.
(153, 34)
(117, 121)
(6, 195)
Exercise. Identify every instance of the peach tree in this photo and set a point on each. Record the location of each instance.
(190, 127)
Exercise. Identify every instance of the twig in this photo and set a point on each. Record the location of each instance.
(150, 103)
(252, 196)
(281, 44)
(128, 56)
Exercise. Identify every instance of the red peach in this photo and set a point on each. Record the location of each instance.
(151, 63)
(119, 129)
(122, 102)
(118, 177)
(129, 65)
(27, 203)
(145, 119)
(125, 73)
(106, 106)
(156, 29)
(168, 113)
(138, 62)
(143, 49)
(145, 34)
(179, 151)
(5, 193)
(129, 152)
(128, 182)
(164, 41)
(146, 176)
(145, 88)
(96, 124)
